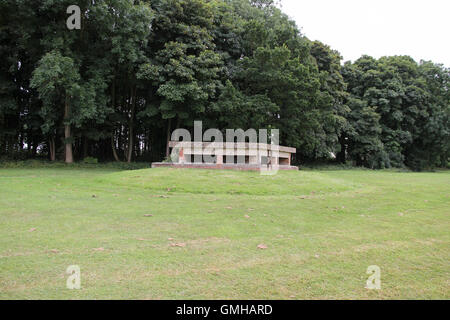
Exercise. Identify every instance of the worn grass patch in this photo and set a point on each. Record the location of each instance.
(194, 234)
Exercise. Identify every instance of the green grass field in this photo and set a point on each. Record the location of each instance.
(322, 230)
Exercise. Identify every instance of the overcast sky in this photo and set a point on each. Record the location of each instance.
(418, 28)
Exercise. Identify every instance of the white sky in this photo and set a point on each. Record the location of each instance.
(418, 28)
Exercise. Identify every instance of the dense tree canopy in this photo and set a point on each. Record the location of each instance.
(136, 70)
(400, 112)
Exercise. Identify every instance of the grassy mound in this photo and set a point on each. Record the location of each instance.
(195, 234)
(229, 182)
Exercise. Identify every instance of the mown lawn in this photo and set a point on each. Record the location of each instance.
(322, 229)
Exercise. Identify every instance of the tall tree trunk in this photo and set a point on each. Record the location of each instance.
(67, 134)
(131, 126)
(35, 146)
(52, 147)
(169, 124)
(85, 147)
(21, 141)
(341, 156)
(30, 143)
(113, 103)
(113, 146)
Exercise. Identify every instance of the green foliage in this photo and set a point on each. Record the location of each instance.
(411, 102)
(139, 69)
(90, 160)
(56, 79)
(37, 164)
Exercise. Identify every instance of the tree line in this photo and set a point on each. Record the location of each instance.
(137, 70)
